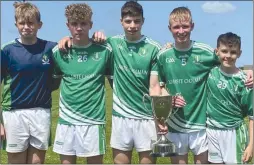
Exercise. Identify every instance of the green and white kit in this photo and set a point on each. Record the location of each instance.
(184, 72)
(81, 124)
(82, 92)
(134, 62)
(229, 102)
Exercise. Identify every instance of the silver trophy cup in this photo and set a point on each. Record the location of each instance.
(162, 109)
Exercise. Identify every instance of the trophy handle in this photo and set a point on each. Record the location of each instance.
(173, 113)
(144, 97)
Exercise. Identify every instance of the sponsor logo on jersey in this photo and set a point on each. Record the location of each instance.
(45, 60)
(135, 71)
(170, 60)
(185, 81)
(79, 76)
(96, 56)
(142, 52)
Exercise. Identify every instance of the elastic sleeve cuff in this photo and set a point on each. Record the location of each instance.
(154, 73)
(109, 76)
(162, 84)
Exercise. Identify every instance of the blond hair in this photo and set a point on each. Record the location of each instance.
(180, 14)
(80, 11)
(26, 11)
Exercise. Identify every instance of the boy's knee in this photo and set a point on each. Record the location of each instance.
(145, 158)
(121, 157)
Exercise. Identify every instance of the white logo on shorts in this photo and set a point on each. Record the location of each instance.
(213, 154)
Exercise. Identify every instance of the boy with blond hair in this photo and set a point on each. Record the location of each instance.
(26, 97)
(184, 69)
(81, 126)
(228, 103)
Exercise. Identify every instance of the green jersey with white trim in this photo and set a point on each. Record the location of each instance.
(82, 92)
(134, 62)
(229, 100)
(184, 73)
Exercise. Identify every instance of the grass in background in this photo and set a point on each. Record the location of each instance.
(53, 158)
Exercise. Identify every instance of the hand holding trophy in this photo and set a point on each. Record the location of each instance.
(162, 109)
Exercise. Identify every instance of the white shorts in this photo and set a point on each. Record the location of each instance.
(27, 126)
(227, 146)
(194, 141)
(80, 140)
(129, 133)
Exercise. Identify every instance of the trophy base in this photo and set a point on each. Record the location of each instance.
(163, 154)
(161, 149)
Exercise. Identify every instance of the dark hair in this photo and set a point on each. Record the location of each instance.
(131, 8)
(230, 39)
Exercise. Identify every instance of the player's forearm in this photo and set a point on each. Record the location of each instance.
(154, 89)
(251, 132)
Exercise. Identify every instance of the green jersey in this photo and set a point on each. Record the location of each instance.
(134, 62)
(184, 73)
(229, 100)
(83, 70)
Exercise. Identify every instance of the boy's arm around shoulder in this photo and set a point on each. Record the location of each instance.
(56, 72)
(109, 65)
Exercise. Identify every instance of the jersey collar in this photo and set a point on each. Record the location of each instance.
(186, 49)
(137, 41)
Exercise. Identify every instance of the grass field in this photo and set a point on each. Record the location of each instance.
(53, 158)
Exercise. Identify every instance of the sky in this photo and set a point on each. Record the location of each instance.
(211, 18)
